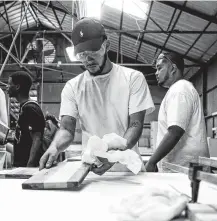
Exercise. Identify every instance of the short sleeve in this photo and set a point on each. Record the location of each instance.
(68, 104)
(33, 117)
(179, 109)
(140, 96)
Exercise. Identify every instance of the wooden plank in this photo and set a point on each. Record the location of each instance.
(65, 175)
(204, 176)
(18, 173)
(201, 212)
(213, 147)
(175, 168)
(208, 162)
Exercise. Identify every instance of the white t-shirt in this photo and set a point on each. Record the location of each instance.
(103, 103)
(3, 109)
(182, 107)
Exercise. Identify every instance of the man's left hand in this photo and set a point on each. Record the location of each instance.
(102, 169)
(150, 167)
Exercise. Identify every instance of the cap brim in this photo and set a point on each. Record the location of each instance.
(89, 45)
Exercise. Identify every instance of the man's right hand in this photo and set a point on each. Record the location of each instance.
(49, 158)
(106, 165)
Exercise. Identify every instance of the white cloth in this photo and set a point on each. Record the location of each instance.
(182, 107)
(103, 103)
(97, 147)
(154, 204)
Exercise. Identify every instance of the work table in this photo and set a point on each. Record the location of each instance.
(93, 200)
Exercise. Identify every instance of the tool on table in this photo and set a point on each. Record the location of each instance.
(196, 174)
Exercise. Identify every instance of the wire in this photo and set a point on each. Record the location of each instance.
(3, 83)
(46, 7)
(42, 71)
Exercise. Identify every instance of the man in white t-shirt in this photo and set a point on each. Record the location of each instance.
(106, 98)
(3, 109)
(181, 126)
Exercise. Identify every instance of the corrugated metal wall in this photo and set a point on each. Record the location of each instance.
(211, 94)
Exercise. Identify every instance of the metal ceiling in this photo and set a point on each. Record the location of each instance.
(186, 27)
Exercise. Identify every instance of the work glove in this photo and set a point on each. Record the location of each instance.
(115, 142)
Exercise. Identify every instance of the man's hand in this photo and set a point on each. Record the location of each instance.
(150, 167)
(2, 140)
(49, 158)
(102, 169)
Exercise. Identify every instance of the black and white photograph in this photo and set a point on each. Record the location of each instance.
(108, 110)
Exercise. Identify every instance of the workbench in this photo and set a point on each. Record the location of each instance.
(92, 201)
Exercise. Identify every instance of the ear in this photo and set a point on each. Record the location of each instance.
(17, 87)
(174, 68)
(107, 45)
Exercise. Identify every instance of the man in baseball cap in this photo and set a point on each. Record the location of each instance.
(181, 134)
(108, 99)
(91, 45)
(88, 34)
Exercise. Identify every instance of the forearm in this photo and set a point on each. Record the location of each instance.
(62, 139)
(133, 134)
(35, 151)
(134, 129)
(167, 144)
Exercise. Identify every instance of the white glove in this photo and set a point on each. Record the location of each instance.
(115, 142)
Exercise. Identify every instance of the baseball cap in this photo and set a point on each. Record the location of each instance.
(87, 35)
(174, 58)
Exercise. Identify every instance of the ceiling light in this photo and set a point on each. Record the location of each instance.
(136, 8)
(70, 53)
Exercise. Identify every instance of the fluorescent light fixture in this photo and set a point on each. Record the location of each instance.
(93, 8)
(135, 8)
(70, 52)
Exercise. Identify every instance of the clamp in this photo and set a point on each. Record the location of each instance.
(195, 183)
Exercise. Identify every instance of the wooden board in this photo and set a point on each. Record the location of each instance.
(65, 175)
(18, 173)
(201, 212)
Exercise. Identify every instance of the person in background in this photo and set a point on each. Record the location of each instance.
(51, 127)
(30, 125)
(3, 109)
(181, 133)
(107, 98)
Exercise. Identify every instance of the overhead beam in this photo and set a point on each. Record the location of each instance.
(159, 46)
(55, 7)
(112, 30)
(63, 19)
(38, 20)
(9, 26)
(15, 59)
(13, 42)
(32, 13)
(191, 11)
(198, 37)
(55, 14)
(119, 37)
(174, 24)
(53, 24)
(6, 2)
(25, 15)
(145, 26)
